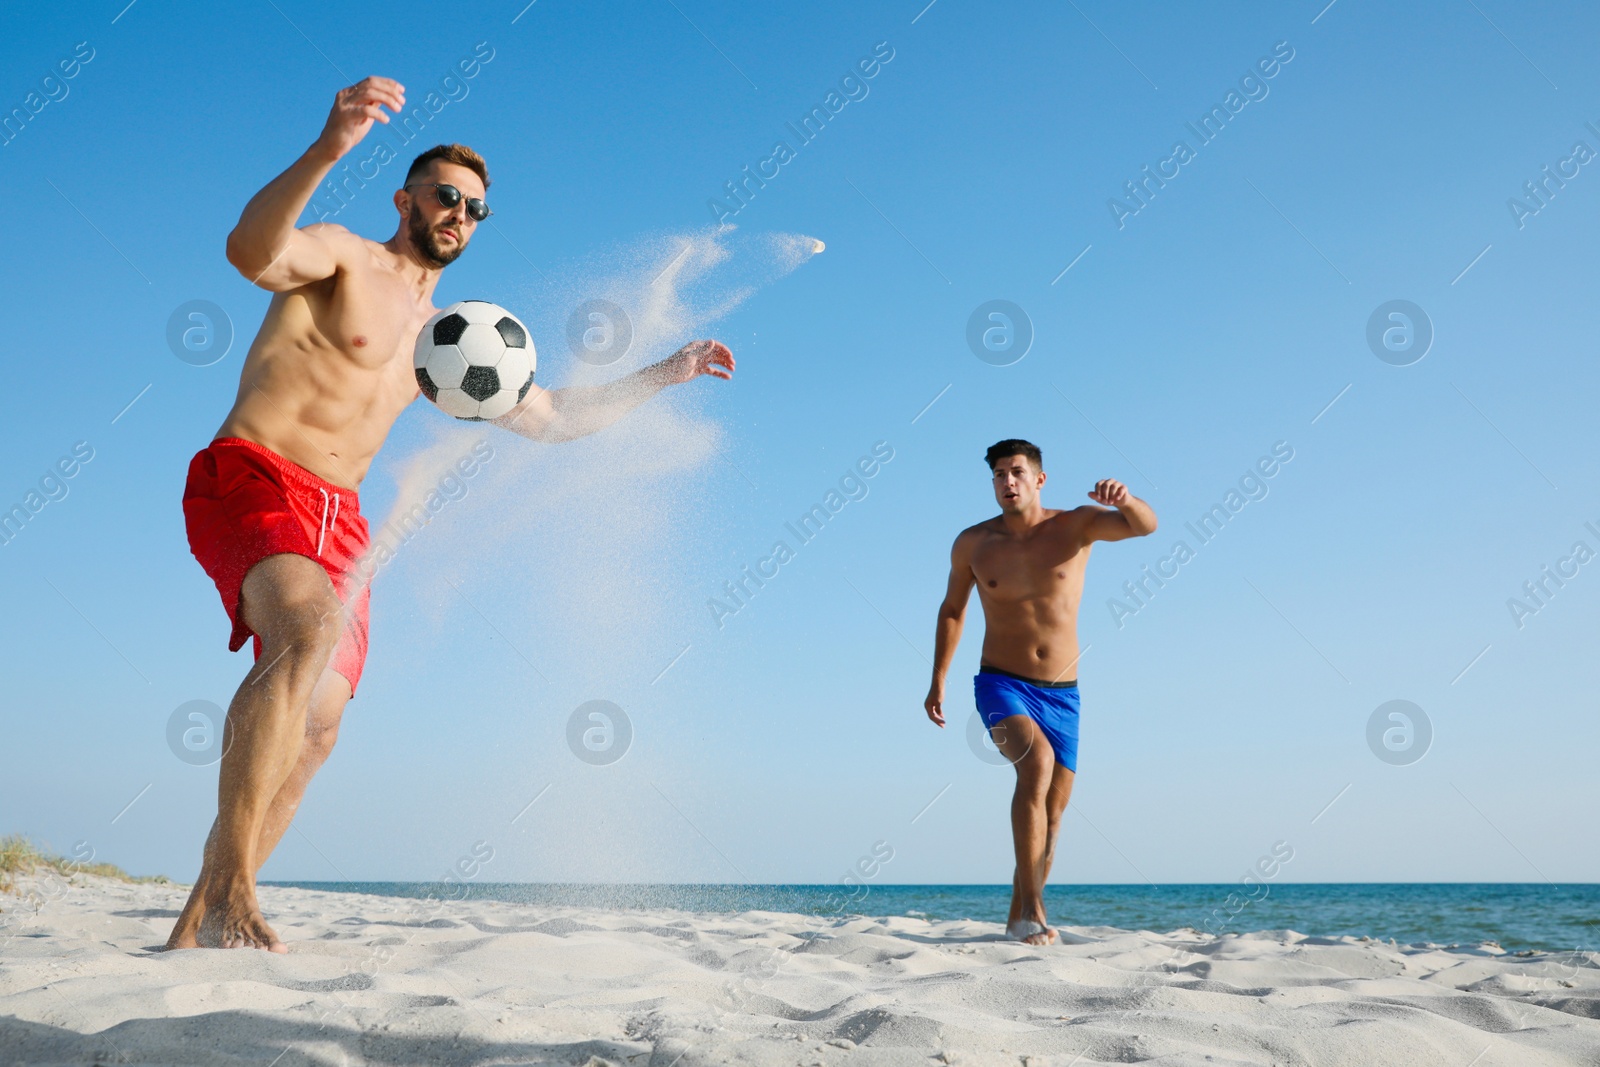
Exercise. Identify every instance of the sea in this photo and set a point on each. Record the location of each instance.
(1519, 917)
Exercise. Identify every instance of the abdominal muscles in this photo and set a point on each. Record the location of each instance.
(1035, 637)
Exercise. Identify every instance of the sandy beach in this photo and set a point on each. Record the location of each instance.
(379, 980)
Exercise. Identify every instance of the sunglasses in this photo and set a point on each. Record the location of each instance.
(450, 196)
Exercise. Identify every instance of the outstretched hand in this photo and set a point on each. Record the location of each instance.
(1110, 492)
(355, 110)
(697, 358)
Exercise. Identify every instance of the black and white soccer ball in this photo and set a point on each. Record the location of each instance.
(474, 360)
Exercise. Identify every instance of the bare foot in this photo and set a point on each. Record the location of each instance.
(1030, 933)
(232, 920)
(186, 931)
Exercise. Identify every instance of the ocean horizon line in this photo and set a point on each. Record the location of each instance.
(1518, 916)
(307, 882)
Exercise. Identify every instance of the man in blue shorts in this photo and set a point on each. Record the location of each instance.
(1028, 565)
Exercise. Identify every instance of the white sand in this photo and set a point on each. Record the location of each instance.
(383, 981)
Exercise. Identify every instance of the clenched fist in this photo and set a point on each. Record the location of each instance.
(1110, 492)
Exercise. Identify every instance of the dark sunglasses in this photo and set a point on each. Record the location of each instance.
(450, 196)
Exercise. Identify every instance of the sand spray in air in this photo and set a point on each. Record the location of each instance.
(585, 538)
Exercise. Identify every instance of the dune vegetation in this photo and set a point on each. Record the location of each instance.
(19, 856)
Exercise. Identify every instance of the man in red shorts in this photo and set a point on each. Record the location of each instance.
(271, 504)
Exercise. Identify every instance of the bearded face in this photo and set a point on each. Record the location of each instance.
(439, 251)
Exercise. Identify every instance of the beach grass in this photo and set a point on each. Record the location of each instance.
(20, 856)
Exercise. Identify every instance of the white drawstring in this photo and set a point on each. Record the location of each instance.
(322, 532)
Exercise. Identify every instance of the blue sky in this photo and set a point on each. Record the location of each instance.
(1223, 317)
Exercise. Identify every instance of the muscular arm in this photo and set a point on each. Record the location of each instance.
(1132, 517)
(952, 619)
(553, 415)
(265, 246)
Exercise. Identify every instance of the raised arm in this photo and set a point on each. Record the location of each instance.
(952, 617)
(265, 246)
(1132, 517)
(552, 415)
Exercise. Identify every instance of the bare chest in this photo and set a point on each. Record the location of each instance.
(1042, 567)
(373, 317)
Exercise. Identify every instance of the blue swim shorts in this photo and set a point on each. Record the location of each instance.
(1052, 706)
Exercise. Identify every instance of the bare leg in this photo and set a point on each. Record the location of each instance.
(186, 931)
(1020, 741)
(1055, 803)
(289, 601)
(322, 729)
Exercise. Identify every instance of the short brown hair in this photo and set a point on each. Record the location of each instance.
(459, 154)
(1014, 446)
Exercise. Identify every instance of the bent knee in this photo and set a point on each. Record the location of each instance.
(313, 627)
(1035, 792)
(290, 599)
(1037, 765)
(303, 616)
(318, 745)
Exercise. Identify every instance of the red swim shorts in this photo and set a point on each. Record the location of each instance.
(244, 502)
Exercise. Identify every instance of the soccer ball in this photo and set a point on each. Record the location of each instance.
(474, 360)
